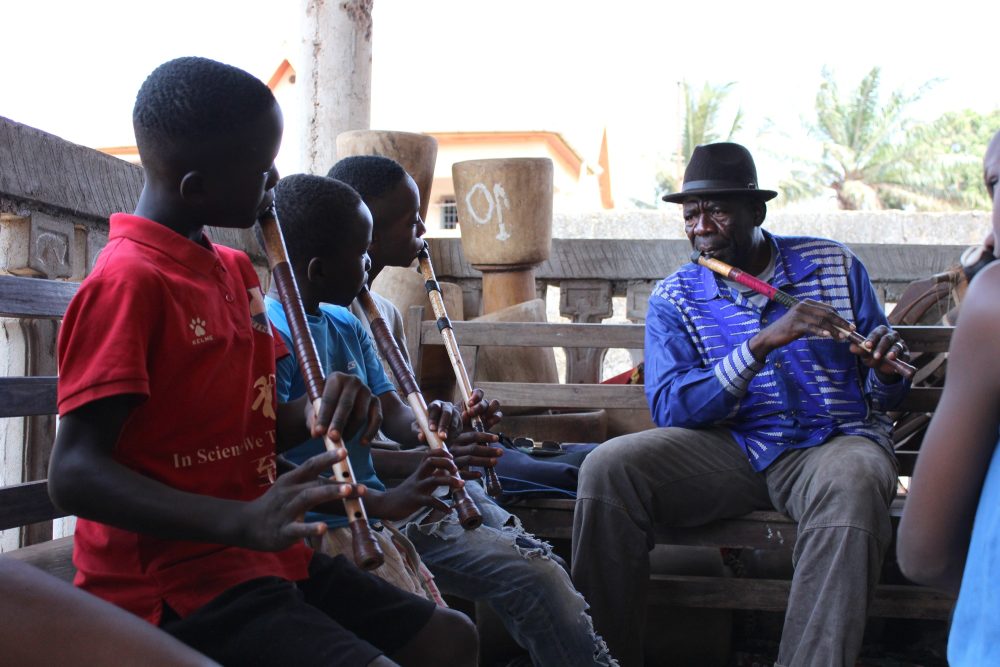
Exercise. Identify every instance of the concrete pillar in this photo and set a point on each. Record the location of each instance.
(335, 76)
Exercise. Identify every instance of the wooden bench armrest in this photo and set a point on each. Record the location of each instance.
(54, 557)
(27, 396)
(575, 396)
(27, 503)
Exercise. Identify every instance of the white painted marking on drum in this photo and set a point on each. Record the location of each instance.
(495, 201)
(482, 220)
(501, 197)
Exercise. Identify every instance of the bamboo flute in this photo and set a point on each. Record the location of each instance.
(788, 301)
(433, 288)
(367, 554)
(468, 513)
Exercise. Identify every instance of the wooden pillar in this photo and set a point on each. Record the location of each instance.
(336, 76)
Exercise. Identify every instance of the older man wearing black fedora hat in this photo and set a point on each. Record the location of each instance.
(759, 406)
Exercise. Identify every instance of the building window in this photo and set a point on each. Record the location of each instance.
(449, 213)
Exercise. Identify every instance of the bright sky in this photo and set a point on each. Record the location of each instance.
(571, 66)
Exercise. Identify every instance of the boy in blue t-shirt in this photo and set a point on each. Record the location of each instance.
(327, 230)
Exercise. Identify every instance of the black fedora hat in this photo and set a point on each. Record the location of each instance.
(720, 169)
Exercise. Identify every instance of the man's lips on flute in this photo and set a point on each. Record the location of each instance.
(708, 252)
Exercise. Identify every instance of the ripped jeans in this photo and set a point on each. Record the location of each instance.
(518, 576)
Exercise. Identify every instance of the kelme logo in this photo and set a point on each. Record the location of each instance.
(197, 327)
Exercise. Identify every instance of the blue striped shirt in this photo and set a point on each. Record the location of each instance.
(699, 370)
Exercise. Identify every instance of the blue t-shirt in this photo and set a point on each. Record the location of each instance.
(975, 628)
(342, 345)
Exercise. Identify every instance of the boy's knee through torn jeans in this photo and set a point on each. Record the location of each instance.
(518, 575)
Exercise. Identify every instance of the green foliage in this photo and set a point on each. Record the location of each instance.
(702, 125)
(701, 116)
(950, 151)
(874, 156)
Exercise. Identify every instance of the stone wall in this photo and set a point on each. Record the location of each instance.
(961, 228)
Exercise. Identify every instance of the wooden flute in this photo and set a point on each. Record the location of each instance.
(787, 300)
(468, 513)
(367, 554)
(493, 486)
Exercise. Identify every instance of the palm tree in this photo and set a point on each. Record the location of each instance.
(701, 116)
(950, 150)
(866, 157)
(701, 111)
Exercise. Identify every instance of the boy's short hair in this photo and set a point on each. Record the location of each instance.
(191, 100)
(371, 175)
(311, 212)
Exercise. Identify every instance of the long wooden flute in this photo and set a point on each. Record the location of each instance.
(433, 288)
(367, 553)
(468, 513)
(787, 300)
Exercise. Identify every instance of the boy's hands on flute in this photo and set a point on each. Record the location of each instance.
(346, 407)
(445, 418)
(451, 419)
(435, 469)
(488, 411)
(273, 521)
(472, 448)
(86, 479)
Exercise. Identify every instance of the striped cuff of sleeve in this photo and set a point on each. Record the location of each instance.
(736, 370)
(883, 395)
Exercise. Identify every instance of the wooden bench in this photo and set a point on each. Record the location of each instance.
(553, 518)
(27, 503)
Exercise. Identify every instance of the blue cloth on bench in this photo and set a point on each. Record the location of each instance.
(542, 474)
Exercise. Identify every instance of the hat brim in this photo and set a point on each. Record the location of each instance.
(759, 195)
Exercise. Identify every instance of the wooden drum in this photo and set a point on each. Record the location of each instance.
(416, 152)
(505, 214)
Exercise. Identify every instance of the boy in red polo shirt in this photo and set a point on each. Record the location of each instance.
(169, 423)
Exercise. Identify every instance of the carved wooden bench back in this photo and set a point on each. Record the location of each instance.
(27, 503)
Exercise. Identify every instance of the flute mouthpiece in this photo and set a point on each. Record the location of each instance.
(424, 251)
(695, 256)
(268, 212)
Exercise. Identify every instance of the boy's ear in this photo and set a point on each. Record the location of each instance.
(314, 269)
(192, 188)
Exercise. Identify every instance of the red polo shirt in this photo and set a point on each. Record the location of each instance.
(184, 327)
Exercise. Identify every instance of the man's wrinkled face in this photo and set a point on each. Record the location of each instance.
(725, 228)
